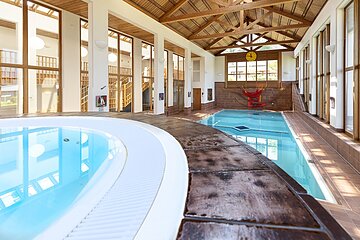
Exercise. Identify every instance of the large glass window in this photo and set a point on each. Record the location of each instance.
(126, 73)
(43, 49)
(11, 32)
(42, 66)
(147, 76)
(306, 74)
(349, 68)
(266, 70)
(178, 90)
(84, 76)
(323, 74)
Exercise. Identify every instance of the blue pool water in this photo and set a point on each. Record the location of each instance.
(268, 133)
(42, 171)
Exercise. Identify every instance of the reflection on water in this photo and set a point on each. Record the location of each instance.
(268, 133)
(42, 170)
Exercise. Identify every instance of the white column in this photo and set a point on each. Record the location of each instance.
(170, 87)
(70, 62)
(98, 54)
(188, 81)
(159, 102)
(137, 81)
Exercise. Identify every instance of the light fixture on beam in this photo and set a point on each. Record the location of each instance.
(308, 61)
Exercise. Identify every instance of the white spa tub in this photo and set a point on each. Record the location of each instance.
(140, 196)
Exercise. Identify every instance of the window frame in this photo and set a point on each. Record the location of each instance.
(26, 67)
(256, 64)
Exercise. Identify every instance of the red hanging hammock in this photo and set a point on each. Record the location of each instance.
(254, 98)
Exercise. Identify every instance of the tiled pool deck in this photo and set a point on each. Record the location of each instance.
(235, 192)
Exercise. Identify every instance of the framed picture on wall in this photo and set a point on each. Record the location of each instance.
(101, 101)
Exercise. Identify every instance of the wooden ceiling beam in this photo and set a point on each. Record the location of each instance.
(250, 31)
(289, 15)
(223, 10)
(252, 24)
(284, 33)
(212, 20)
(175, 8)
(252, 45)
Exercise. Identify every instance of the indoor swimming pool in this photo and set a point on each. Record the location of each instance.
(269, 133)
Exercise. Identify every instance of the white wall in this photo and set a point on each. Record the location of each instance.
(210, 64)
(288, 66)
(220, 69)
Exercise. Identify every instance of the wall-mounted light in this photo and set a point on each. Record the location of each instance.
(112, 57)
(298, 68)
(101, 44)
(36, 43)
(330, 48)
(308, 61)
(84, 52)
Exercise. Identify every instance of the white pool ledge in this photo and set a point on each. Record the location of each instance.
(141, 194)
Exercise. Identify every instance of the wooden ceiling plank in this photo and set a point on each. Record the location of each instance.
(175, 8)
(289, 15)
(220, 3)
(205, 25)
(250, 31)
(236, 8)
(226, 24)
(284, 33)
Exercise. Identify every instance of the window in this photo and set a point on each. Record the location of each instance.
(349, 68)
(147, 76)
(178, 90)
(323, 75)
(41, 70)
(266, 70)
(306, 74)
(119, 67)
(84, 75)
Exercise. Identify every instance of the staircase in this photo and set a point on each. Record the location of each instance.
(126, 89)
(297, 99)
